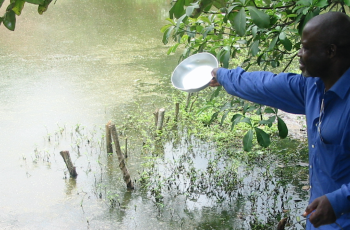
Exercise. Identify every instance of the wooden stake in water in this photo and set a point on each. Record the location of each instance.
(109, 146)
(156, 117)
(126, 147)
(121, 158)
(160, 119)
(177, 109)
(188, 101)
(66, 157)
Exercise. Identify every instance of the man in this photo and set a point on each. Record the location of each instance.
(322, 93)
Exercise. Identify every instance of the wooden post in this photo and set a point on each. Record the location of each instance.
(177, 109)
(160, 119)
(188, 100)
(126, 147)
(121, 158)
(109, 146)
(69, 164)
(156, 117)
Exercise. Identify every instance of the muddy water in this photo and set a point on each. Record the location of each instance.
(63, 76)
(75, 65)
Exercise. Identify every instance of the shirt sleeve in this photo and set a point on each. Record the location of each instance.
(284, 91)
(340, 200)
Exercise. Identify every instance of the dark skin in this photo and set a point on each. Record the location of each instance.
(325, 54)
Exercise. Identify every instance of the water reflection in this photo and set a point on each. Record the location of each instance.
(74, 65)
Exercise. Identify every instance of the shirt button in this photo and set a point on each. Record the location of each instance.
(312, 146)
(310, 166)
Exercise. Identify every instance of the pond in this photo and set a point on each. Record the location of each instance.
(64, 75)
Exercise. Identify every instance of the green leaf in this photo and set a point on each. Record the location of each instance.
(43, 7)
(37, 2)
(273, 43)
(214, 116)
(255, 47)
(322, 3)
(262, 137)
(164, 28)
(269, 110)
(268, 122)
(177, 10)
(226, 57)
(173, 48)
(287, 44)
(254, 31)
(247, 120)
(347, 2)
(188, 2)
(248, 141)
(282, 128)
(258, 111)
(19, 4)
(240, 23)
(224, 117)
(260, 18)
(307, 18)
(204, 19)
(189, 10)
(282, 36)
(178, 23)
(216, 92)
(226, 106)
(258, 60)
(1, 2)
(235, 120)
(167, 34)
(10, 20)
(304, 2)
(207, 30)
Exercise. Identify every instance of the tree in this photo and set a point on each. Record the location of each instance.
(15, 8)
(265, 33)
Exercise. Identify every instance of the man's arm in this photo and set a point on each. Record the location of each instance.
(284, 91)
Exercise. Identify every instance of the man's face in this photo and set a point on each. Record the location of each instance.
(313, 60)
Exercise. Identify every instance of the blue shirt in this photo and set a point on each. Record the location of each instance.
(329, 144)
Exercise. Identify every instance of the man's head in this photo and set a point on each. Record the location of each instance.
(325, 43)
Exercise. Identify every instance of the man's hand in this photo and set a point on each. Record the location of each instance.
(321, 212)
(214, 82)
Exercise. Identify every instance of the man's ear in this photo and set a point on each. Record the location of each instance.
(332, 50)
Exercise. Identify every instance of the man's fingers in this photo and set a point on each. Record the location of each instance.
(311, 207)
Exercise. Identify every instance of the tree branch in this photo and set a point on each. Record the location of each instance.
(271, 8)
(290, 62)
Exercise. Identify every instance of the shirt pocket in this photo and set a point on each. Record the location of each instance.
(334, 161)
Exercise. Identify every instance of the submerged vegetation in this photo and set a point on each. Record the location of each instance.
(194, 168)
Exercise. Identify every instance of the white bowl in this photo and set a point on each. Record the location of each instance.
(194, 73)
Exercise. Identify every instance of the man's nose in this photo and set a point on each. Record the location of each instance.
(300, 52)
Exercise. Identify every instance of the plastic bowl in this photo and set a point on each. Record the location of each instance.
(194, 73)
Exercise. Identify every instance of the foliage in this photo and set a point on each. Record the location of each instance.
(203, 157)
(265, 33)
(15, 9)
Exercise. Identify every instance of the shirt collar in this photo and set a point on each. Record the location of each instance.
(342, 86)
